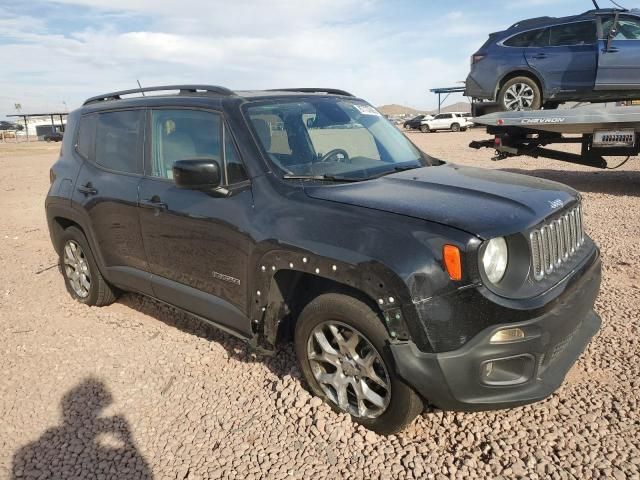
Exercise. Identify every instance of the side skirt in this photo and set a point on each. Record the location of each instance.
(202, 305)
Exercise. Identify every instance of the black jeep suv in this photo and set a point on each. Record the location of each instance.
(304, 215)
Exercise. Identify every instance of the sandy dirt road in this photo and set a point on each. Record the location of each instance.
(138, 390)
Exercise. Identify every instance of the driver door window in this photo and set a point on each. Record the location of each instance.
(183, 135)
(627, 28)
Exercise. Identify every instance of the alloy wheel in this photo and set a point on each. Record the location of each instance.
(76, 268)
(519, 96)
(349, 369)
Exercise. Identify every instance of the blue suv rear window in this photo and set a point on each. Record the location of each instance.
(580, 33)
(523, 39)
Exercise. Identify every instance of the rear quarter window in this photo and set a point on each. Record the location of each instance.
(85, 142)
(524, 39)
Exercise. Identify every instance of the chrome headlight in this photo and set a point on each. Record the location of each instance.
(495, 258)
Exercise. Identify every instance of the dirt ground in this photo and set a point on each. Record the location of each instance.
(138, 390)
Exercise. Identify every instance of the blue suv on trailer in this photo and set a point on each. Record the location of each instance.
(545, 61)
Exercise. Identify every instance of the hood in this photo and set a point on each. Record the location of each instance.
(484, 202)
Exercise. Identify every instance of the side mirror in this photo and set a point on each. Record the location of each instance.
(197, 174)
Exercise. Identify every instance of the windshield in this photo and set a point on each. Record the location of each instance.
(331, 137)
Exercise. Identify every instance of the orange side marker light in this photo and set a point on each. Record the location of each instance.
(452, 261)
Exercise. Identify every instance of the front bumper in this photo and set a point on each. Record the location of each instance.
(456, 380)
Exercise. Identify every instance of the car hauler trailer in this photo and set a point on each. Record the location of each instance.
(601, 132)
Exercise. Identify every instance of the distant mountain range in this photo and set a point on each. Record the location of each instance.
(402, 110)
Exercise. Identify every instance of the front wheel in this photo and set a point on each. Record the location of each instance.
(455, 127)
(520, 93)
(341, 345)
(424, 128)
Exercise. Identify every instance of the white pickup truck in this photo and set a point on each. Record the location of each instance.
(454, 121)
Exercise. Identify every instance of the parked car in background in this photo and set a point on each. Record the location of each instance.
(4, 125)
(542, 62)
(454, 121)
(415, 122)
(469, 117)
(53, 137)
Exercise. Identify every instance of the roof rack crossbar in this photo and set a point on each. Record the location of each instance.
(330, 91)
(182, 89)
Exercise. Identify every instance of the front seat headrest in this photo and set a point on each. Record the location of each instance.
(264, 132)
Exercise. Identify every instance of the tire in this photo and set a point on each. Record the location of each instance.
(76, 256)
(520, 93)
(394, 407)
(424, 128)
(455, 127)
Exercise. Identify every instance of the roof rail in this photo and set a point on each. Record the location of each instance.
(331, 91)
(532, 21)
(183, 90)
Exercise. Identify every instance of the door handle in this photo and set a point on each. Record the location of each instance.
(154, 202)
(610, 50)
(540, 56)
(87, 189)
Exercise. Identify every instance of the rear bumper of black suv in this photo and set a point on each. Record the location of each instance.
(483, 375)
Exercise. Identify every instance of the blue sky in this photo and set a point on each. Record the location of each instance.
(383, 51)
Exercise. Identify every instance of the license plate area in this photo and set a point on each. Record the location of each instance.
(625, 137)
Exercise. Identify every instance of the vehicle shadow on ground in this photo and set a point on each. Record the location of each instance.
(611, 182)
(281, 364)
(85, 445)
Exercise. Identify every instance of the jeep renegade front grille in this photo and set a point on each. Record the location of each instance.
(554, 243)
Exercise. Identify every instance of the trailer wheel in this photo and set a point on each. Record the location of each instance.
(520, 93)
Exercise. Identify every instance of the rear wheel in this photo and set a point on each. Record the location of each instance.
(520, 93)
(82, 277)
(341, 345)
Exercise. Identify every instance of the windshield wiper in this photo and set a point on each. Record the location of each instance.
(329, 178)
(395, 170)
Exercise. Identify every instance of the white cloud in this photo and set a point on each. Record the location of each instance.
(245, 44)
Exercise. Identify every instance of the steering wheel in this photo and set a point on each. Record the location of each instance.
(334, 153)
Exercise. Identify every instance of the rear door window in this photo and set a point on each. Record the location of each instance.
(119, 140)
(542, 40)
(580, 33)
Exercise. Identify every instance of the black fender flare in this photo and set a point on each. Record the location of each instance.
(372, 279)
(58, 210)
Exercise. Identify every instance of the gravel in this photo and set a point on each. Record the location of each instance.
(139, 390)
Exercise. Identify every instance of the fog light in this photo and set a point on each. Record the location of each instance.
(507, 335)
(508, 371)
